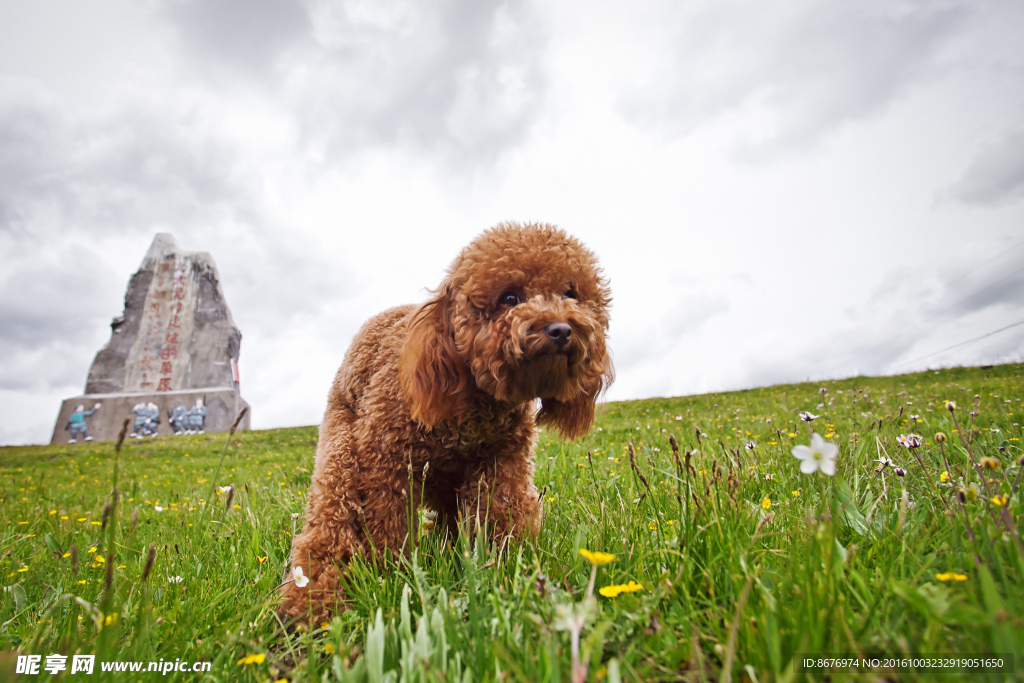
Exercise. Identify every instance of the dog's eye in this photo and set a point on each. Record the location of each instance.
(570, 293)
(509, 299)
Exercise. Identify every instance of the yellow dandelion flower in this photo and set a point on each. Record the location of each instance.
(596, 557)
(252, 659)
(944, 477)
(1000, 501)
(795, 493)
(652, 526)
(766, 503)
(92, 549)
(951, 576)
(614, 590)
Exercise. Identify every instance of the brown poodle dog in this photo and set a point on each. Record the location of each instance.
(437, 403)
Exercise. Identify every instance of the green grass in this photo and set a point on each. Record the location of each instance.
(744, 561)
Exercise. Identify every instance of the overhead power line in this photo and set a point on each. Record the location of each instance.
(963, 343)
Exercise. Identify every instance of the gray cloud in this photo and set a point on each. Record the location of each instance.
(806, 74)
(996, 176)
(52, 309)
(135, 169)
(459, 79)
(243, 35)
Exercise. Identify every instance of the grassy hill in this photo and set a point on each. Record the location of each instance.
(743, 562)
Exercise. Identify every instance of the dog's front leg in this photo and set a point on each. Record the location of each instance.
(499, 492)
(365, 514)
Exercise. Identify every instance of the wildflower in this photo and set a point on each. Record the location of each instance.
(596, 557)
(300, 578)
(807, 416)
(991, 463)
(295, 515)
(909, 441)
(940, 437)
(174, 579)
(951, 576)
(224, 489)
(883, 462)
(158, 508)
(951, 406)
(796, 494)
(251, 659)
(944, 477)
(23, 569)
(261, 560)
(615, 590)
(998, 501)
(900, 472)
(329, 649)
(820, 455)
(751, 445)
(652, 526)
(769, 476)
(766, 503)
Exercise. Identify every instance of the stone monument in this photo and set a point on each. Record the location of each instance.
(171, 364)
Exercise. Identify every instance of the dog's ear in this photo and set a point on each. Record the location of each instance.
(573, 419)
(434, 378)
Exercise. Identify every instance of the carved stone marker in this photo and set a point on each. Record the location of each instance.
(172, 360)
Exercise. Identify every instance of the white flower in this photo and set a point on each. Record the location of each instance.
(884, 461)
(295, 515)
(158, 508)
(807, 416)
(225, 489)
(820, 455)
(300, 579)
(174, 579)
(751, 445)
(909, 440)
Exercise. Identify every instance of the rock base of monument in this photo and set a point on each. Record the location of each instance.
(222, 406)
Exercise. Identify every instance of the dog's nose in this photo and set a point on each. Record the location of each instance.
(558, 333)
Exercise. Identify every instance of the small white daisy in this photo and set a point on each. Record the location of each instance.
(820, 455)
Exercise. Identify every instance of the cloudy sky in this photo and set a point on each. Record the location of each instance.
(777, 191)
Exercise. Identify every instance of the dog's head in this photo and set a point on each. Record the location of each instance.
(522, 314)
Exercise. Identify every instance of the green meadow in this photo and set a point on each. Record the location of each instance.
(729, 563)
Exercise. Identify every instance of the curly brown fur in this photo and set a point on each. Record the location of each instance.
(448, 389)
